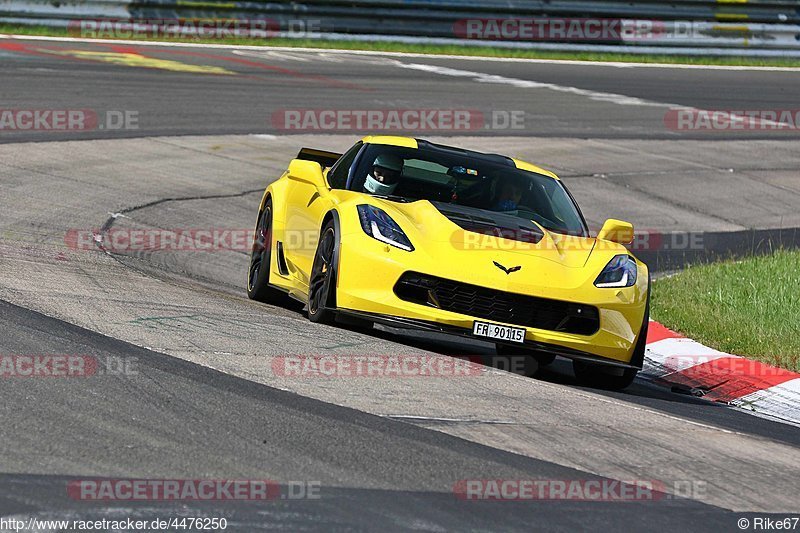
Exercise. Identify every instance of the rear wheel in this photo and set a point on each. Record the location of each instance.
(322, 282)
(258, 287)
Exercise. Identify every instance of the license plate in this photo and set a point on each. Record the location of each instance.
(496, 331)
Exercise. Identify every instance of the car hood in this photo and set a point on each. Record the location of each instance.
(481, 232)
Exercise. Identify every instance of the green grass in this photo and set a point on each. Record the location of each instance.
(749, 307)
(477, 51)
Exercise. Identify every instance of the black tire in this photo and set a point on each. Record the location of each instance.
(600, 376)
(322, 281)
(258, 287)
(637, 358)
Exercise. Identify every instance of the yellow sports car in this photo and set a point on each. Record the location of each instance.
(412, 234)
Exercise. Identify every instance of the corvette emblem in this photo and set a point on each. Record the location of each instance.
(506, 270)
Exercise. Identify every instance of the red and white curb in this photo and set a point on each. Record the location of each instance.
(673, 360)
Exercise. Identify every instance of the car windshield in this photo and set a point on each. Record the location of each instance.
(462, 184)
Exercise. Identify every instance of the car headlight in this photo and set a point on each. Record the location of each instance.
(378, 225)
(619, 272)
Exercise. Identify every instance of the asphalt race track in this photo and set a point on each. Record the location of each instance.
(201, 399)
(181, 420)
(182, 90)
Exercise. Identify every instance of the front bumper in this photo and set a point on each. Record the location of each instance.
(408, 323)
(369, 270)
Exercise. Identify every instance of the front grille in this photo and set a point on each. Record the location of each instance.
(498, 306)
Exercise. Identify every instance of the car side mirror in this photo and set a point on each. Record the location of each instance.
(616, 231)
(307, 172)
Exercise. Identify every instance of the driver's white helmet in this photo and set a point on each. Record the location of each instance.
(385, 175)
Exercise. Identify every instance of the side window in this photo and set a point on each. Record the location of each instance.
(337, 177)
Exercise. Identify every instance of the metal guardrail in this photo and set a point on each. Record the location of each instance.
(768, 25)
(767, 11)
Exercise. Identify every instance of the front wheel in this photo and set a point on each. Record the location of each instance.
(258, 287)
(615, 378)
(322, 282)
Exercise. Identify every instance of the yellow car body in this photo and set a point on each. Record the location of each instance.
(558, 272)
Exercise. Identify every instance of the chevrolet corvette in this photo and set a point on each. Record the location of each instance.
(412, 234)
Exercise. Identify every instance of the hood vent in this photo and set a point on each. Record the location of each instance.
(491, 223)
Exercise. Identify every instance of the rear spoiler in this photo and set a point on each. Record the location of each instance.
(326, 159)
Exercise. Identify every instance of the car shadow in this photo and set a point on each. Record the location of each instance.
(642, 392)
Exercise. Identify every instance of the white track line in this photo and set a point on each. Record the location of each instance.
(598, 96)
(481, 77)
